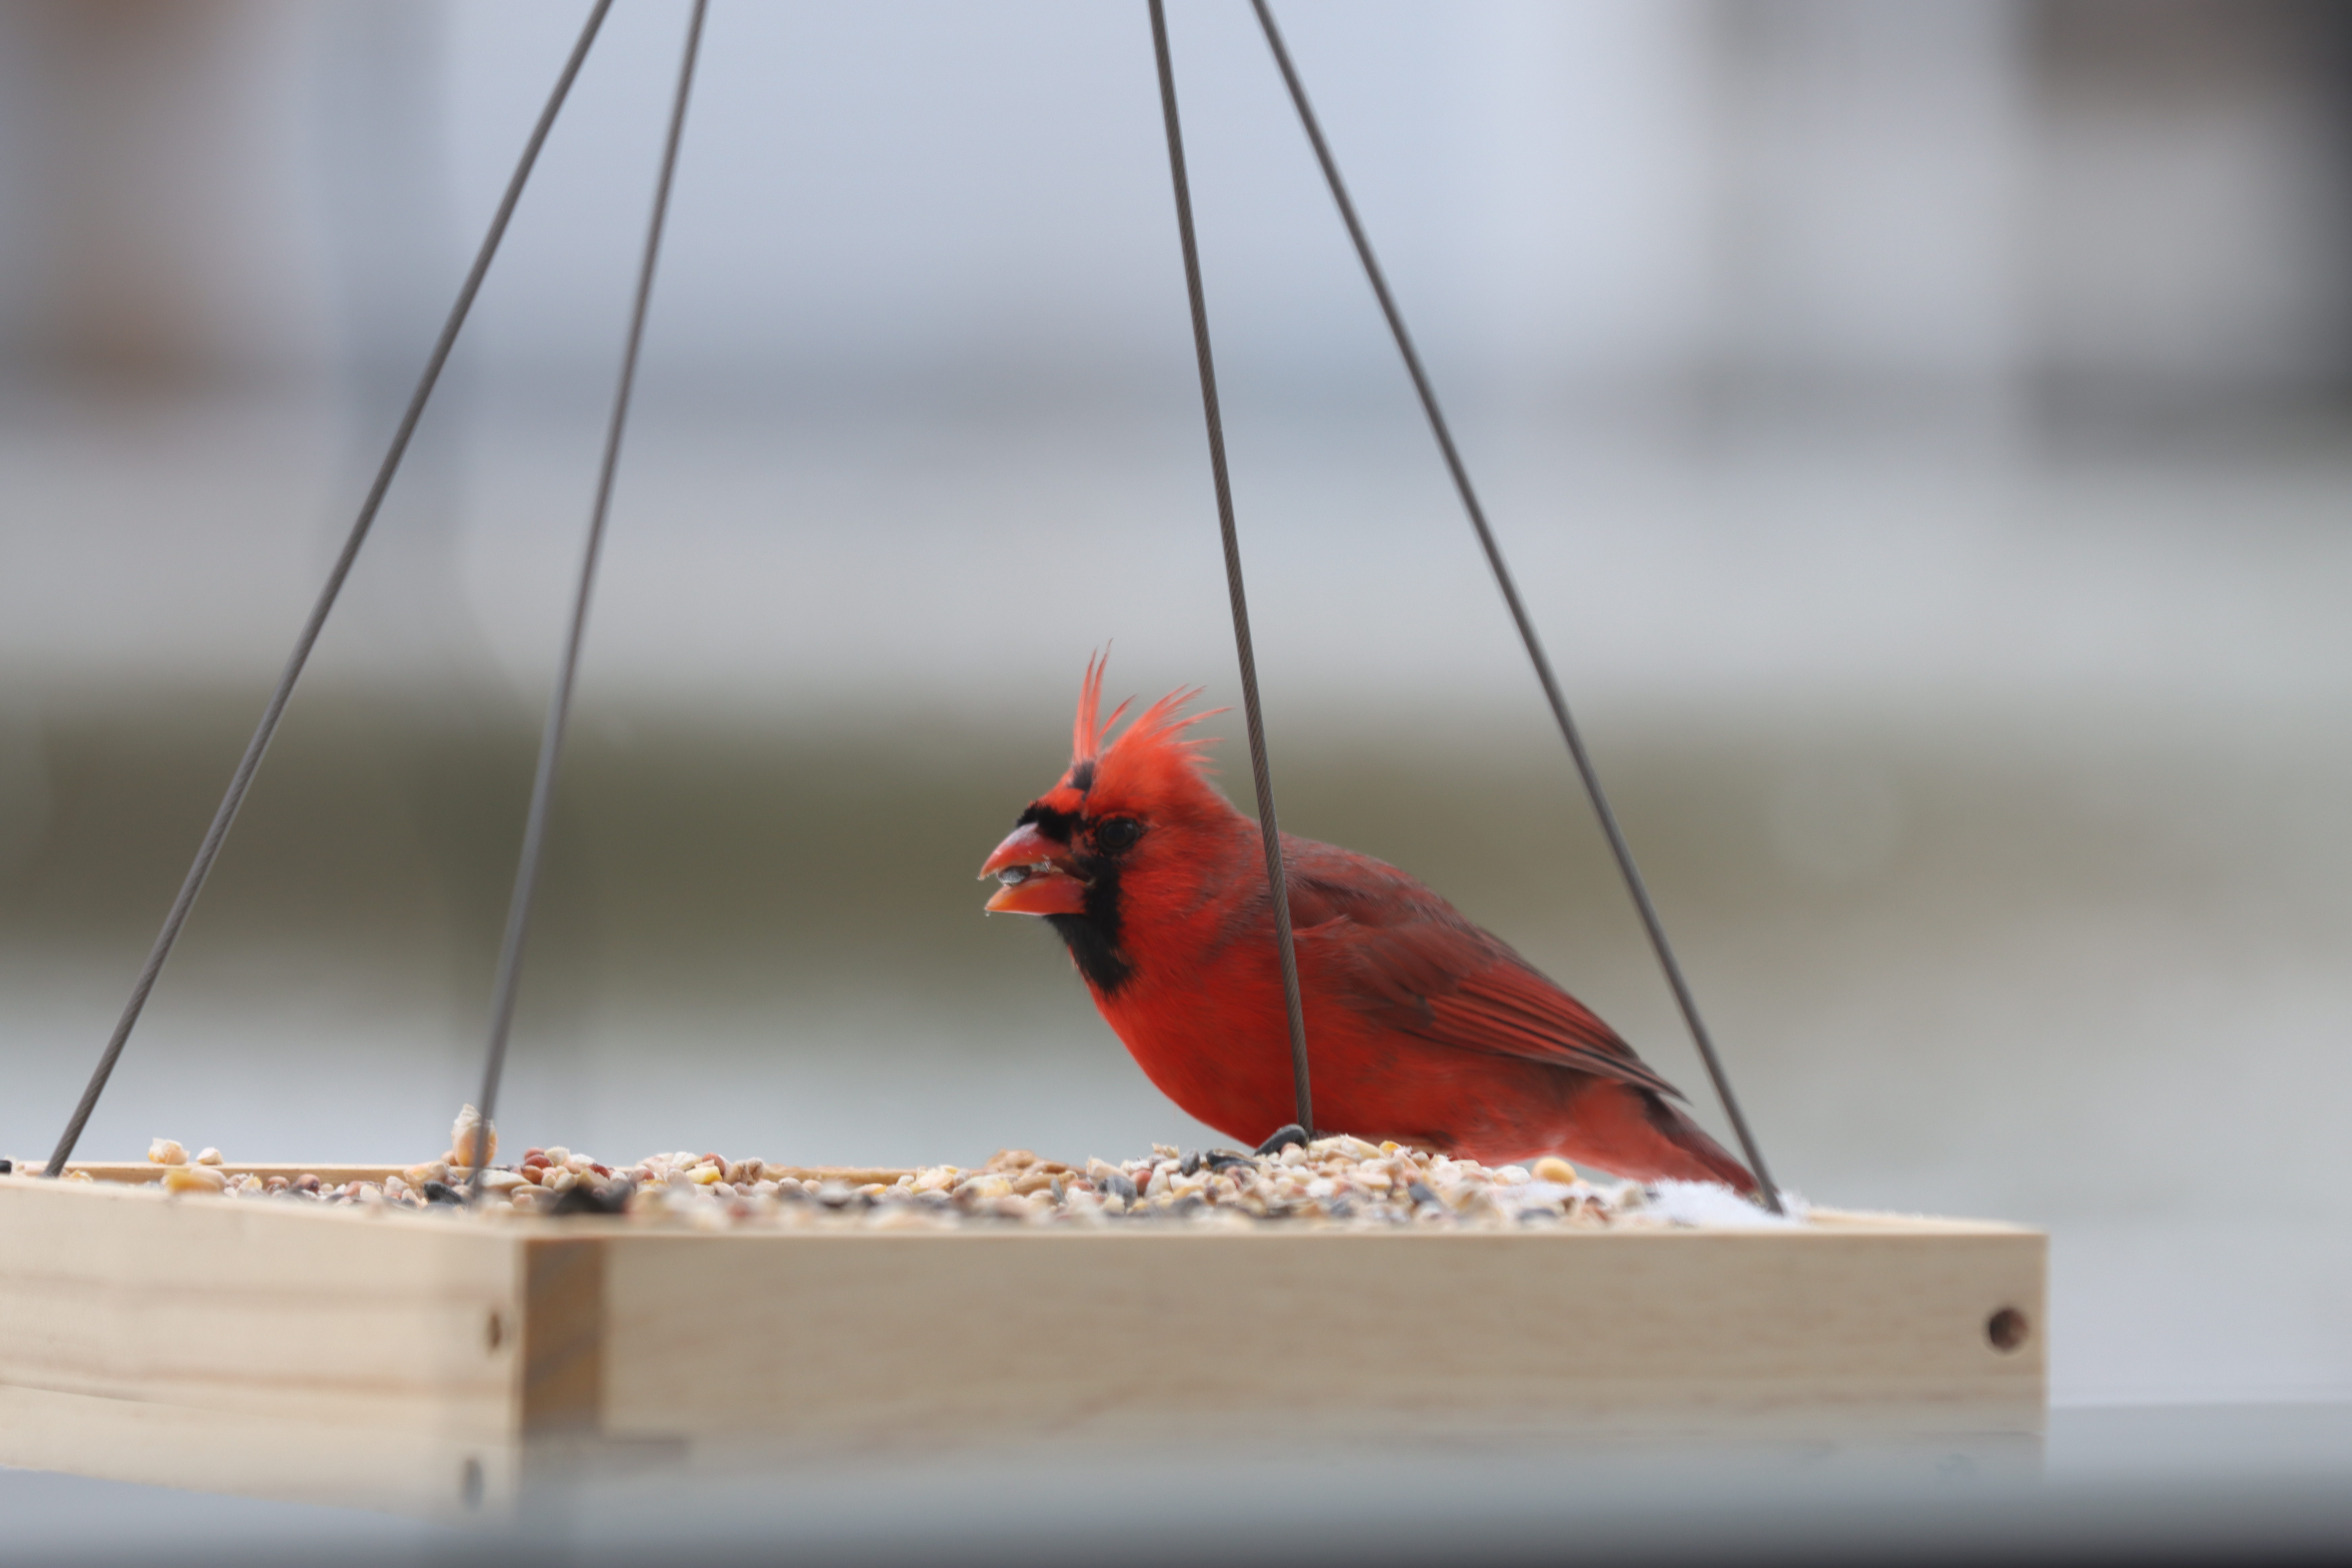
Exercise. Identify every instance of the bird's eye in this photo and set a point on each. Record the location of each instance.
(1119, 833)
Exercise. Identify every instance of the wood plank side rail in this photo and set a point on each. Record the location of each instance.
(418, 1360)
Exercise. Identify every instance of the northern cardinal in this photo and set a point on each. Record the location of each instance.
(1421, 1027)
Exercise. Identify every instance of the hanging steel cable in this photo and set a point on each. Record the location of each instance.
(1510, 589)
(242, 779)
(559, 705)
(1261, 772)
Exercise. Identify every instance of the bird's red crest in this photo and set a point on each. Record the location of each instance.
(1152, 760)
(1087, 735)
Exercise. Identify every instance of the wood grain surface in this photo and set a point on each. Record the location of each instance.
(418, 1359)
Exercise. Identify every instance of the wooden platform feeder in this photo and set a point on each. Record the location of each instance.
(428, 1360)
(406, 1359)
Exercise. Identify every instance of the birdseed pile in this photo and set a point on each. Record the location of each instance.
(1336, 1181)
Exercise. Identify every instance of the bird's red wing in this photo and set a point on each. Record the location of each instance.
(1411, 962)
(1514, 1010)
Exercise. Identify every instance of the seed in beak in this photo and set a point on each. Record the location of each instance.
(1013, 876)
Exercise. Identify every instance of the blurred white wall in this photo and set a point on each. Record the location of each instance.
(1608, 195)
(1872, 160)
(981, 194)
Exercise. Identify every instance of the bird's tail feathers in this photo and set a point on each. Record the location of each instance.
(1708, 1160)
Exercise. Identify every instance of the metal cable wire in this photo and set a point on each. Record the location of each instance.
(242, 779)
(1261, 772)
(559, 705)
(1503, 580)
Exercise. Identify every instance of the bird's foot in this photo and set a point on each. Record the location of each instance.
(1283, 1138)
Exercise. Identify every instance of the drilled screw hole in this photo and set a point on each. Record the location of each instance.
(495, 1331)
(2007, 1329)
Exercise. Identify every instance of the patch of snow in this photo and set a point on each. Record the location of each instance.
(1716, 1206)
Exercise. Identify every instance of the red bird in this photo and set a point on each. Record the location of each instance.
(1421, 1027)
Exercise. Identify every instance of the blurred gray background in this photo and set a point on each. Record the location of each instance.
(1920, 429)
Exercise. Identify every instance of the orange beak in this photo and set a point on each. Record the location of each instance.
(1035, 880)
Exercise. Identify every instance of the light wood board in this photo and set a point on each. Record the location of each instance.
(419, 1360)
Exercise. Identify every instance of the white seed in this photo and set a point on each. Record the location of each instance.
(471, 1142)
